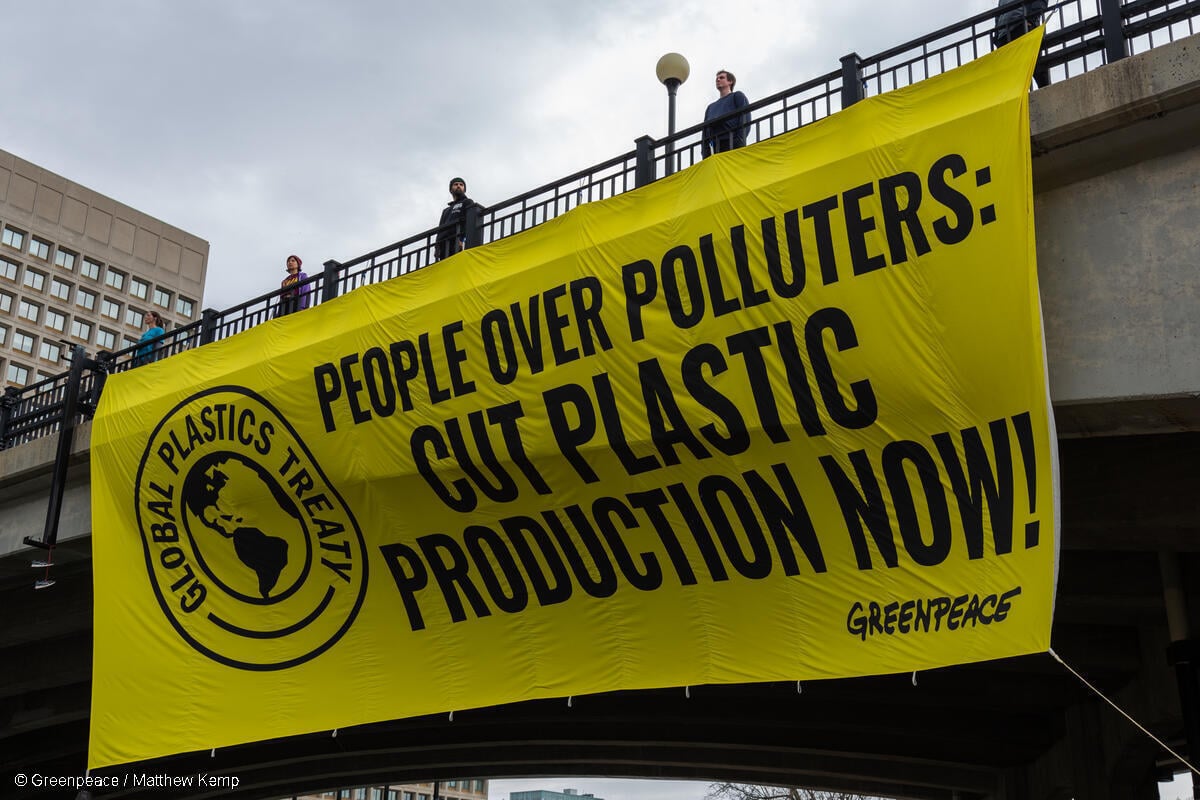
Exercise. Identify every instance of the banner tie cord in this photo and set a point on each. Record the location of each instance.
(914, 677)
(569, 699)
(1136, 724)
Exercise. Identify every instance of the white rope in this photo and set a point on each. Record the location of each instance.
(1136, 724)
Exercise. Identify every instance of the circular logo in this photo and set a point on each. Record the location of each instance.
(255, 558)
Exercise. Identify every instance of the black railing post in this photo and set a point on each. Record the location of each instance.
(643, 171)
(101, 369)
(62, 457)
(12, 396)
(208, 325)
(1114, 31)
(473, 226)
(329, 286)
(852, 81)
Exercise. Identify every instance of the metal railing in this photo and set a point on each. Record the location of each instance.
(1081, 35)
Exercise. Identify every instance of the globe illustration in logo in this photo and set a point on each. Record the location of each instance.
(246, 530)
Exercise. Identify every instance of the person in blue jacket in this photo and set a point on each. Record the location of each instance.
(729, 133)
(146, 351)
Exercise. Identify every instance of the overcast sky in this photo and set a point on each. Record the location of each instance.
(329, 129)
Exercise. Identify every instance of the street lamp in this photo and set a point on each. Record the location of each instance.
(672, 70)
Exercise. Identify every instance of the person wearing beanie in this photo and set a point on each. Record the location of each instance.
(294, 289)
(451, 235)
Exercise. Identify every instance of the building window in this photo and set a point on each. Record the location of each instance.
(60, 289)
(3, 334)
(133, 316)
(65, 259)
(90, 269)
(8, 269)
(56, 320)
(50, 352)
(23, 342)
(5, 302)
(17, 374)
(86, 299)
(184, 306)
(81, 329)
(114, 279)
(39, 248)
(29, 311)
(106, 339)
(139, 288)
(13, 238)
(35, 280)
(128, 341)
(110, 309)
(162, 298)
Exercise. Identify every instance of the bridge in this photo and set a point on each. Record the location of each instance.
(1116, 162)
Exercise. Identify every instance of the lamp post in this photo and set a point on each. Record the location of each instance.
(672, 70)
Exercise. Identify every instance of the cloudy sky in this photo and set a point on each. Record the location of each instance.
(330, 129)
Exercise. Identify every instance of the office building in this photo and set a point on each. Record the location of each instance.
(546, 794)
(77, 267)
(447, 790)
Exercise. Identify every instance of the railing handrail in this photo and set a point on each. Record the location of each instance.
(29, 412)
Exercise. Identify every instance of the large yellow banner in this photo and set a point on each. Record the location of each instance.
(783, 415)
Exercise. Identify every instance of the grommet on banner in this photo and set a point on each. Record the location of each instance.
(569, 699)
(914, 677)
(687, 692)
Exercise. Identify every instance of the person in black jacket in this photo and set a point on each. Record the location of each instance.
(1014, 23)
(451, 235)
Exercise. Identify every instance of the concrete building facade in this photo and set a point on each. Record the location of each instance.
(77, 267)
(448, 790)
(546, 794)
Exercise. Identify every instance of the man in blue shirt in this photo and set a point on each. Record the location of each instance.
(725, 134)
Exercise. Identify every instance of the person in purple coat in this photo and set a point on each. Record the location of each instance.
(294, 289)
